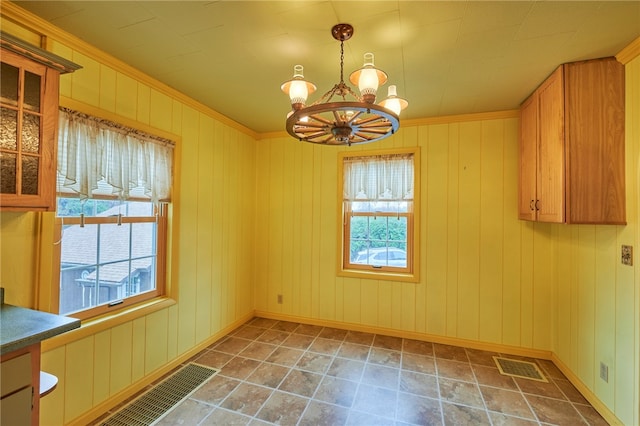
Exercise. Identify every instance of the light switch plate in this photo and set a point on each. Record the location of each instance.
(627, 255)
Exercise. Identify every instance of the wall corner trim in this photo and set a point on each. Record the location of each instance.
(630, 52)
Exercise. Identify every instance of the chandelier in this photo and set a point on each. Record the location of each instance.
(353, 119)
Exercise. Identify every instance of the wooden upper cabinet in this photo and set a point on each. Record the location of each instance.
(528, 159)
(594, 130)
(28, 133)
(27, 146)
(572, 146)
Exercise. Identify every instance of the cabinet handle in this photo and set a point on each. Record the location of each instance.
(537, 204)
(531, 205)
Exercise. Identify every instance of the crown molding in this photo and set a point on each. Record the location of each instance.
(630, 52)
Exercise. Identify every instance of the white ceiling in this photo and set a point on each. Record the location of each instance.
(446, 57)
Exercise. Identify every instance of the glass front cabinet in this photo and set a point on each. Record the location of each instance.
(28, 125)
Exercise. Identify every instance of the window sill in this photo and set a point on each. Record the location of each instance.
(379, 275)
(95, 325)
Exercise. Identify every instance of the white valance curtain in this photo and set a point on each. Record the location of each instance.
(378, 178)
(99, 157)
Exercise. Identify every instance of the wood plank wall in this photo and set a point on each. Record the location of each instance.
(477, 260)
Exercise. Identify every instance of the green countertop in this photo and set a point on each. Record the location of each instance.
(21, 327)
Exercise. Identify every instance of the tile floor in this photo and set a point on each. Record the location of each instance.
(276, 372)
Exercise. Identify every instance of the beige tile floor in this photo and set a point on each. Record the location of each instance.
(276, 372)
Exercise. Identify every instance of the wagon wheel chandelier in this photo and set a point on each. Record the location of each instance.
(344, 122)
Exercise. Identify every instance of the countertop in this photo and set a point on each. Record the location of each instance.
(21, 327)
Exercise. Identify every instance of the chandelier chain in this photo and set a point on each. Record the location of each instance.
(341, 61)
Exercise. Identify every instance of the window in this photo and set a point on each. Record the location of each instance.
(379, 213)
(110, 255)
(111, 222)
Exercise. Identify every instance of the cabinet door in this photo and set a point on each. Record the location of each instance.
(595, 142)
(16, 408)
(28, 134)
(551, 172)
(528, 148)
(16, 386)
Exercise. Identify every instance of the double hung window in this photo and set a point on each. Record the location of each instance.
(113, 187)
(378, 215)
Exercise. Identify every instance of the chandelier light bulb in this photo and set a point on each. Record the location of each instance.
(368, 78)
(393, 102)
(368, 81)
(297, 88)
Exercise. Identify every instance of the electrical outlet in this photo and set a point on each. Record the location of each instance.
(604, 372)
(280, 299)
(627, 255)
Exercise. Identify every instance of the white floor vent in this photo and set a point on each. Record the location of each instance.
(518, 368)
(153, 405)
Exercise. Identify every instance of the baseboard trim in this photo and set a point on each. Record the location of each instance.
(599, 406)
(453, 341)
(130, 391)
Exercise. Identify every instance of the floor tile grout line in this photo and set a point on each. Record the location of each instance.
(477, 384)
(293, 365)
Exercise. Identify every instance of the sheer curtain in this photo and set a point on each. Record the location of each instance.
(99, 157)
(378, 178)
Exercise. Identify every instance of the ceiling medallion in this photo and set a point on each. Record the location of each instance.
(352, 120)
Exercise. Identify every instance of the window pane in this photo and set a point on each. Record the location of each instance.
(143, 241)
(31, 133)
(378, 241)
(113, 282)
(103, 208)
(114, 243)
(381, 206)
(78, 262)
(31, 91)
(7, 173)
(30, 175)
(8, 129)
(9, 86)
(397, 229)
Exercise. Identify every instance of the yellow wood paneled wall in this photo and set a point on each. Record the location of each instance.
(485, 275)
(213, 233)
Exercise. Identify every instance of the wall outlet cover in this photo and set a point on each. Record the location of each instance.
(627, 255)
(604, 372)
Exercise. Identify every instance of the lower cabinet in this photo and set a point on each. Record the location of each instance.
(19, 387)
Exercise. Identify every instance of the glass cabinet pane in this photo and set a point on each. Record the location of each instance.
(7, 173)
(9, 86)
(8, 129)
(30, 175)
(30, 133)
(31, 91)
